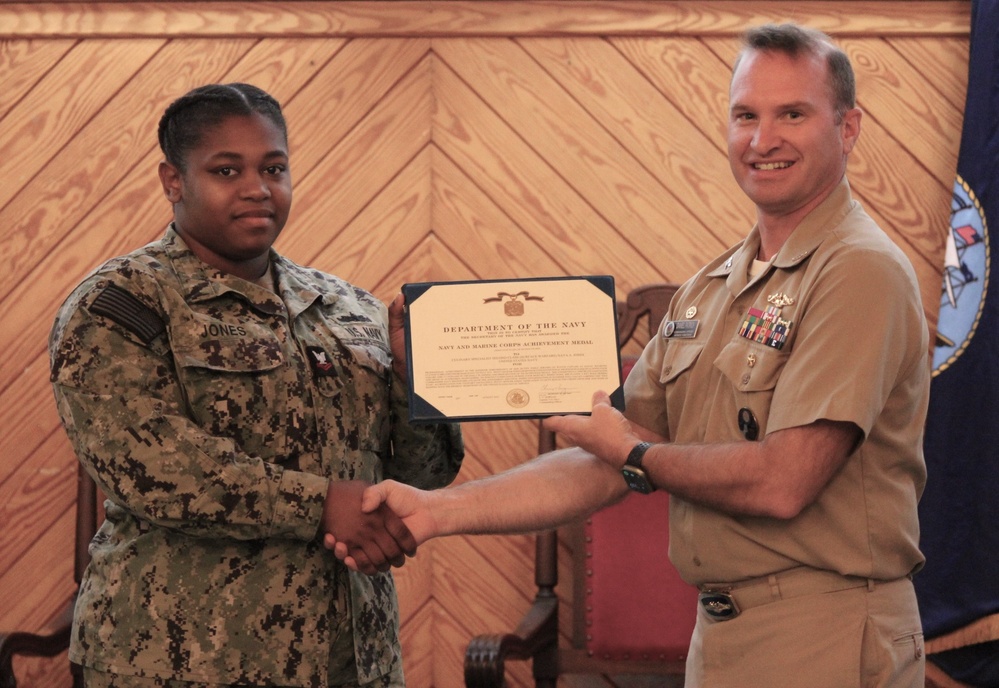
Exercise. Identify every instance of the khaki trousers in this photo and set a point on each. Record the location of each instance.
(869, 636)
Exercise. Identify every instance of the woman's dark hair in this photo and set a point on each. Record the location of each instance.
(186, 119)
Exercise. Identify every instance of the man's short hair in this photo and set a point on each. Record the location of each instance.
(795, 40)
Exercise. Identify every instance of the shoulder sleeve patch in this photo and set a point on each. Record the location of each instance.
(128, 311)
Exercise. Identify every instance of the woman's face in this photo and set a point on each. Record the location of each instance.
(232, 200)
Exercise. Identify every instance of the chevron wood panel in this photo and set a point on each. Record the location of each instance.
(430, 141)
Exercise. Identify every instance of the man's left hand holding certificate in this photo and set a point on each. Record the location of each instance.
(491, 349)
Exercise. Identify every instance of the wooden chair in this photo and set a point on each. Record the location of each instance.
(631, 612)
(57, 641)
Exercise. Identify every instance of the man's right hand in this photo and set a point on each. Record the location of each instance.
(374, 538)
(411, 505)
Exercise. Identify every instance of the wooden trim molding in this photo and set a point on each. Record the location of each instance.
(449, 18)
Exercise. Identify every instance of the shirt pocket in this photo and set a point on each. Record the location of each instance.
(751, 367)
(230, 373)
(753, 371)
(679, 358)
(675, 377)
(203, 342)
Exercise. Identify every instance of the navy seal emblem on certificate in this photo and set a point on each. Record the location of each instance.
(525, 348)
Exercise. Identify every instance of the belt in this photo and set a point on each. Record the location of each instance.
(723, 601)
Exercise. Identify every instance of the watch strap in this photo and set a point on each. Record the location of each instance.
(637, 453)
(635, 476)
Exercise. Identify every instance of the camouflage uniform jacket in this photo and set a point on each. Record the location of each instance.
(212, 413)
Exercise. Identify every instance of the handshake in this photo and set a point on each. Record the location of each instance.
(373, 527)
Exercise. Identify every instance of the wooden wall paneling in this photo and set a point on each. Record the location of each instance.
(449, 635)
(419, 646)
(38, 606)
(941, 61)
(523, 184)
(688, 74)
(467, 581)
(40, 483)
(384, 232)
(39, 504)
(63, 102)
(28, 413)
(357, 166)
(895, 91)
(281, 66)
(470, 17)
(415, 584)
(477, 594)
(575, 148)
(920, 128)
(23, 62)
(114, 145)
(463, 215)
(32, 601)
(692, 171)
(342, 92)
(914, 209)
(430, 260)
(494, 446)
(472, 572)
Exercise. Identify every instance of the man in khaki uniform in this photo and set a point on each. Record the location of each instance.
(781, 405)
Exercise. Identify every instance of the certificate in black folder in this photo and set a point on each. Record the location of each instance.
(500, 349)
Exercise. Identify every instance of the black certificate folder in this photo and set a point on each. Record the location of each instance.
(502, 349)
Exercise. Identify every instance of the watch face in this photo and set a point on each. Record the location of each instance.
(636, 480)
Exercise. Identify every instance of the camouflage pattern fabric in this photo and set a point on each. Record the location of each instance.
(97, 679)
(212, 413)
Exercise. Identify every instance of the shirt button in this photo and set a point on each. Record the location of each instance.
(745, 379)
(668, 369)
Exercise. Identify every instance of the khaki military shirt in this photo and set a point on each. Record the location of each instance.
(834, 330)
(212, 413)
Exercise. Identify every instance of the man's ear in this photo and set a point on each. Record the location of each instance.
(851, 129)
(170, 179)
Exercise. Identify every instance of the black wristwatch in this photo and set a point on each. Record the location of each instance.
(634, 475)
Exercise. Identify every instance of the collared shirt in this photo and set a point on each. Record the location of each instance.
(212, 413)
(833, 330)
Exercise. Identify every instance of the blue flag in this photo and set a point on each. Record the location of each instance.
(958, 590)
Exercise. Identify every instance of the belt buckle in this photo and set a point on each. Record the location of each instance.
(719, 604)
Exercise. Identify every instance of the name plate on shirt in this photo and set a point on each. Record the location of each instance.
(499, 349)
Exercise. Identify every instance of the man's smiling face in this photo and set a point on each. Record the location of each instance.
(787, 145)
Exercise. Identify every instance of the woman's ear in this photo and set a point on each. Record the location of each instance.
(170, 179)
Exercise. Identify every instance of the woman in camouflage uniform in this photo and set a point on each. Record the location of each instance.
(232, 405)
